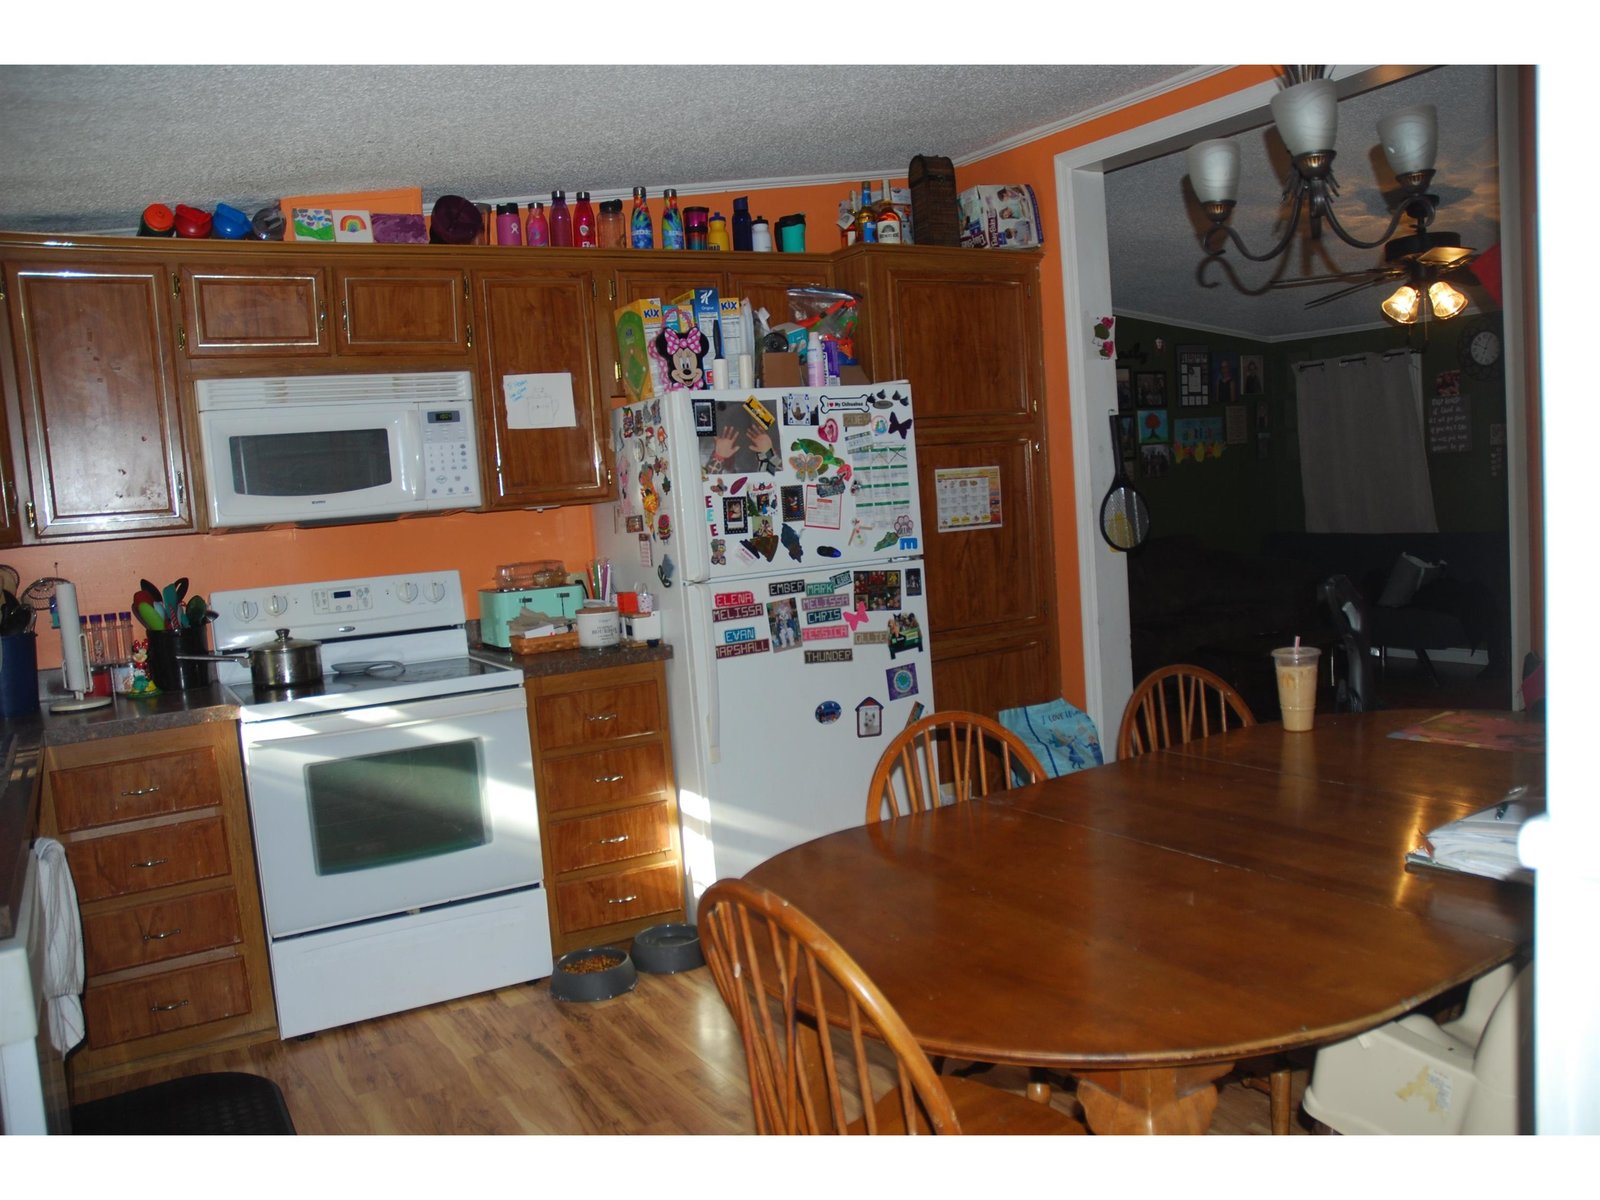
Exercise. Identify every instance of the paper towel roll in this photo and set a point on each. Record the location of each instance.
(74, 661)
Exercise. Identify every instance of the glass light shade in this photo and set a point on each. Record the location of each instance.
(1446, 301)
(1410, 138)
(1405, 305)
(1307, 115)
(1214, 170)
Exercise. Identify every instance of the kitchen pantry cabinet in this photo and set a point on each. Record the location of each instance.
(608, 807)
(158, 839)
(92, 397)
(964, 328)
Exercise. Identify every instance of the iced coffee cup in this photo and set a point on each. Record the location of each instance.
(1297, 685)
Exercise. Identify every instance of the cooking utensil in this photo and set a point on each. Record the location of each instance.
(149, 615)
(195, 612)
(284, 663)
(1124, 517)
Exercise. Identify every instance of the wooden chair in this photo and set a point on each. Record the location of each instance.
(824, 1050)
(973, 754)
(1178, 704)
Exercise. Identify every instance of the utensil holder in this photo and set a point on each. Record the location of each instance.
(172, 674)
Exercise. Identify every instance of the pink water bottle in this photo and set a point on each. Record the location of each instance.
(560, 220)
(508, 225)
(585, 232)
(538, 225)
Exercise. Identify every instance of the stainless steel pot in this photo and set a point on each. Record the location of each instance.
(285, 663)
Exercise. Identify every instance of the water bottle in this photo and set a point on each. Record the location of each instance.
(743, 231)
(560, 220)
(641, 233)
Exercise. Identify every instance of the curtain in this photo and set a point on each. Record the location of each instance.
(1363, 464)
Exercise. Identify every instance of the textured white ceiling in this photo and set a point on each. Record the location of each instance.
(85, 148)
(1155, 225)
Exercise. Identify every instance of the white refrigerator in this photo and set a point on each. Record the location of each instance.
(779, 533)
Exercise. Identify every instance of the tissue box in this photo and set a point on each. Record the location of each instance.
(1004, 217)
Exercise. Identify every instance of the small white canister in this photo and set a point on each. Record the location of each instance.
(598, 627)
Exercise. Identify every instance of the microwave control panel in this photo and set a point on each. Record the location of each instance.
(449, 455)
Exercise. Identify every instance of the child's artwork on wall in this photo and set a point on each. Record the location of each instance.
(1153, 426)
(1196, 439)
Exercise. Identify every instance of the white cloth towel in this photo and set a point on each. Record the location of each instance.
(63, 944)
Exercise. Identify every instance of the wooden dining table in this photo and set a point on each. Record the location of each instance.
(1146, 925)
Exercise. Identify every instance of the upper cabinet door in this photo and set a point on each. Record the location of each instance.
(97, 397)
(403, 311)
(537, 453)
(230, 311)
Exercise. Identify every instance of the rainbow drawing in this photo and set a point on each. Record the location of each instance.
(352, 225)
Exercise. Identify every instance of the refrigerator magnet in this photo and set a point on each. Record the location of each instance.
(904, 634)
(784, 622)
(794, 502)
(828, 712)
(869, 718)
(902, 681)
(791, 542)
(913, 581)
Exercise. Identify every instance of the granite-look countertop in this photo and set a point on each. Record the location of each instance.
(22, 739)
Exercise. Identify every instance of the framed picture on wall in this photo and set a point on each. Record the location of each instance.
(1155, 461)
(1153, 426)
(1151, 388)
(1225, 376)
(1252, 374)
(1124, 389)
(1194, 376)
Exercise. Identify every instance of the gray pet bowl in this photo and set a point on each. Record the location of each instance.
(668, 949)
(593, 985)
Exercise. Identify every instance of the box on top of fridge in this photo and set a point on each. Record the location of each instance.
(1004, 217)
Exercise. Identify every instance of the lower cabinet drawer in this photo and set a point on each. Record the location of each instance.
(148, 858)
(609, 837)
(131, 937)
(123, 1012)
(607, 899)
(620, 775)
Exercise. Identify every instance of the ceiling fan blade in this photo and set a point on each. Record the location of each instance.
(1342, 292)
(1338, 277)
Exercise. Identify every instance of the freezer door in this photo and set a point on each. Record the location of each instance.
(813, 674)
(772, 480)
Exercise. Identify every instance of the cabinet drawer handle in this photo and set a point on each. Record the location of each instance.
(161, 1008)
(610, 716)
(621, 900)
(611, 841)
(142, 791)
(608, 778)
(163, 935)
(148, 863)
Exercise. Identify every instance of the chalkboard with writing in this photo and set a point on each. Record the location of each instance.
(1449, 425)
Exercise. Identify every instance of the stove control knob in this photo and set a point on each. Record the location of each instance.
(277, 605)
(437, 592)
(247, 610)
(407, 592)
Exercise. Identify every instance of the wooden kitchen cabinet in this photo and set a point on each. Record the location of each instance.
(964, 327)
(608, 806)
(399, 311)
(158, 839)
(92, 398)
(231, 311)
(544, 322)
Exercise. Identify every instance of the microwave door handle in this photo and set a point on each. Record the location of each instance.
(414, 454)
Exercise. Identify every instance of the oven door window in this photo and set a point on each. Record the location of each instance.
(377, 810)
(321, 463)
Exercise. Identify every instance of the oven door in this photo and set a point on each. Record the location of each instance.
(311, 463)
(391, 808)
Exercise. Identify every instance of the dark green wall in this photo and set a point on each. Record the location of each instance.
(1253, 489)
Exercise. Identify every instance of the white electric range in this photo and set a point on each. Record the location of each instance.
(396, 826)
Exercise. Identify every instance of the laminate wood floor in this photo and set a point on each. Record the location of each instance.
(663, 1059)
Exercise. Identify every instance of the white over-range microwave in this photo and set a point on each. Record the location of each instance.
(333, 447)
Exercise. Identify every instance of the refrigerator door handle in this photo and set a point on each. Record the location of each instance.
(702, 633)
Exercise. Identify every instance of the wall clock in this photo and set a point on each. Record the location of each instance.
(1479, 350)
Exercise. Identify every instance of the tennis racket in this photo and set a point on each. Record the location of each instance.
(1124, 517)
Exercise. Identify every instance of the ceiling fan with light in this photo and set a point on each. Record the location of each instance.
(1306, 113)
